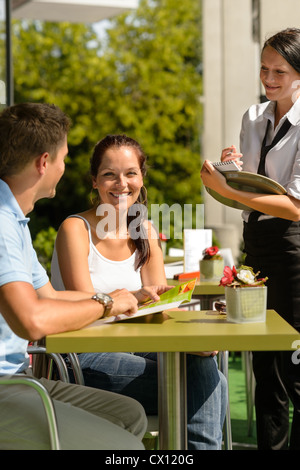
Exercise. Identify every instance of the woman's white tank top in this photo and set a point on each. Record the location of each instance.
(106, 275)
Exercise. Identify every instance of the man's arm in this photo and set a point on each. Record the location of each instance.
(32, 315)
(48, 292)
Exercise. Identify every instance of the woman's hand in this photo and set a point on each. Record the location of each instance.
(150, 293)
(230, 153)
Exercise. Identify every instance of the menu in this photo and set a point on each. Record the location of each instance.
(171, 299)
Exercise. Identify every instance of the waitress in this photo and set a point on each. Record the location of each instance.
(270, 145)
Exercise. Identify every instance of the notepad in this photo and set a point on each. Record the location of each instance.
(229, 165)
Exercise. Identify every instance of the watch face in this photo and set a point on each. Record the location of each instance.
(109, 301)
(105, 299)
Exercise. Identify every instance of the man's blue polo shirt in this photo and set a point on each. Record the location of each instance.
(18, 262)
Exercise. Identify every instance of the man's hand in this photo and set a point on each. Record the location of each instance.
(150, 293)
(124, 302)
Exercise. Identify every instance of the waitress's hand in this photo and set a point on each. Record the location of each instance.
(213, 178)
(230, 153)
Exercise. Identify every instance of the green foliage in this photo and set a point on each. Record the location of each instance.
(44, 245)
(157, 51)
(143, 80)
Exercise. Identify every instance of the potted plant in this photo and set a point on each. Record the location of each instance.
(211, 265)
(245, 295)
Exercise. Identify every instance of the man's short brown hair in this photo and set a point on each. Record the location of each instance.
(28, 130)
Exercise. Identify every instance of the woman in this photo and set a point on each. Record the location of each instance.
(108, 247)
(270, 145)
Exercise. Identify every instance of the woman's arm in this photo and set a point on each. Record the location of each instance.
(72, 246)
(282, 206)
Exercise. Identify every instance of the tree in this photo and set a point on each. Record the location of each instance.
(44, 244)
(144, 80)
(59, 63)
(156, 53)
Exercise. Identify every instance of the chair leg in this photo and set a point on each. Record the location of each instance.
(77, 371)
(223, 366)
(57, 358)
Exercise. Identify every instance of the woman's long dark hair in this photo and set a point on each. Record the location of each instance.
(116, 141)
(287, 44)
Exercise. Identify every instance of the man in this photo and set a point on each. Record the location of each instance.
(33, 147)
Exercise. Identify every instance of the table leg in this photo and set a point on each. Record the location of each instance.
(172, 401)
(223, 366)
(250, 389)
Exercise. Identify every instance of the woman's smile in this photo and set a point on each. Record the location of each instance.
(119, 178)
(121, 195)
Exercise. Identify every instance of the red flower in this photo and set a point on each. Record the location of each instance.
(229, 275)
(213, 250)
(163, 237)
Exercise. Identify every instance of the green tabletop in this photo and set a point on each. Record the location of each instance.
(178, 330)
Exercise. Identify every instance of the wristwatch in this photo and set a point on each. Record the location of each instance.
(104, 300)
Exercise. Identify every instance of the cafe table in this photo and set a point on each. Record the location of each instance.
(172, 334)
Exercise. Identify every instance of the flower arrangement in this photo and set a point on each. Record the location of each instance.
(211, 253)
(211, 265)
(244, 276)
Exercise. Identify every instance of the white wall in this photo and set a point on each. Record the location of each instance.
(230, 87)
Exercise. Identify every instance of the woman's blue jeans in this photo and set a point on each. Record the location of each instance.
(135, 375)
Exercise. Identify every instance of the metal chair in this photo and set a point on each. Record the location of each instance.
(53, 358)
(56, 358)
(20, 379)
(76, 367)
